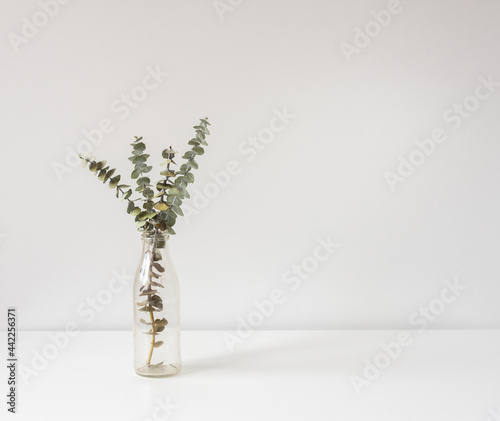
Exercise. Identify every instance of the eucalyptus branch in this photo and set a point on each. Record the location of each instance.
(172, 190)
(105, 174)
(172, 194)
(139, 159)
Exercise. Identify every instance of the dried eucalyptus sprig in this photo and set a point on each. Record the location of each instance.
(154, 213)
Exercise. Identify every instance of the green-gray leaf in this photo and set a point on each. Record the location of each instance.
(177, 210)
(174, 192)
(101, 165)
(114, 182)
(102, 175)
(127, 195)
(142, 216)
(139, 147)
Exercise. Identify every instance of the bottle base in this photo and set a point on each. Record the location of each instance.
(164, 370)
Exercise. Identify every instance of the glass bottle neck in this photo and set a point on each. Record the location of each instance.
(155, 240)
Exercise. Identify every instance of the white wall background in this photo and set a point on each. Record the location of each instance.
(323, 175)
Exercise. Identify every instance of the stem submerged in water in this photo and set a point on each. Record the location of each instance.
(153, 341)
(154, 301)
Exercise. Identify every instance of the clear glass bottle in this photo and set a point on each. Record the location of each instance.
(156, 310)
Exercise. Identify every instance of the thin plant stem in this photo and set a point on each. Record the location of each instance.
(153, 341)
(151, 316)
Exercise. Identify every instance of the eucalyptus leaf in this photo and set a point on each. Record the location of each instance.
(185, 168)
(100, 165)
(136, 173)
(148, 292)
(174, 192)
(159, 267)
(160, 193)
(162, 322)
(140, 158)
(127, 195)
(142, 216)
(113, 182)
(177, 210)
(161, 206)
(139, 147)
(153, 366)
(168, 153)
(171, 200)
(109, 174)
(144, 180)
(102, 175)
(136, 211)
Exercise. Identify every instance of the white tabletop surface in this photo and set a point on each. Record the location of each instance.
(272, 375)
